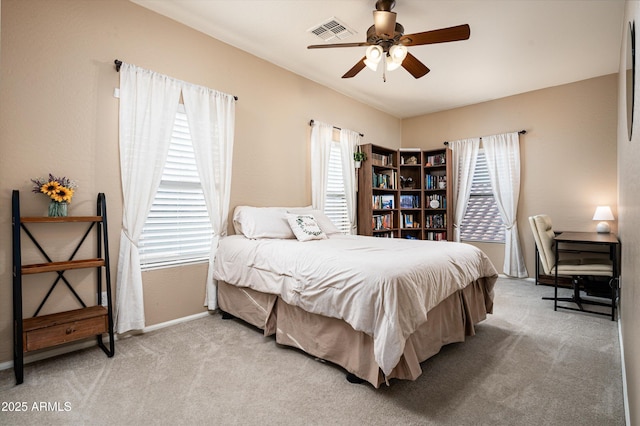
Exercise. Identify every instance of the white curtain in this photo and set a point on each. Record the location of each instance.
(349, 140)
(211, 117)
(321, 137)
(464, 154)
(503, 162)
(148, 105)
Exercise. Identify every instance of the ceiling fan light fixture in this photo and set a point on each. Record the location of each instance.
(374, 55)
(384, 23)
(391, 64)
(386, 40)
(397, 53)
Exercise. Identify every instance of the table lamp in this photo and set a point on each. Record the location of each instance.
(603, 213)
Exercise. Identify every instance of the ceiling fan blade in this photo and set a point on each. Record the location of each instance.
(416, 68)
(384, 23)
(325, 46)
(443, 35)
(356, 69)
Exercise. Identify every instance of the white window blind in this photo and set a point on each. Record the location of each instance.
(178, 229)
(335, 206)
(482, 222)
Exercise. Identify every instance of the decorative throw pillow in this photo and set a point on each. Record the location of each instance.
(321, 219)
(305, 227)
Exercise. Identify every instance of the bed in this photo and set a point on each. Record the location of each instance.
(377, 307)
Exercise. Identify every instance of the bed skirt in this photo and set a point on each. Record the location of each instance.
(336, 341)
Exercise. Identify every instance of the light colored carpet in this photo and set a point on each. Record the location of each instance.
(527, 365)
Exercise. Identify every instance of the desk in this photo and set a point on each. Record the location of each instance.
(590, 238)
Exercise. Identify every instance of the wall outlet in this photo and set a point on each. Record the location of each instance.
(105, 301)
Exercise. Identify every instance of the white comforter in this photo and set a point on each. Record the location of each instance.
(383, 287)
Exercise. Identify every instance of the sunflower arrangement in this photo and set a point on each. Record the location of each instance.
(58, 189)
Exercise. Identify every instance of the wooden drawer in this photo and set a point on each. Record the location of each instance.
(50, 330)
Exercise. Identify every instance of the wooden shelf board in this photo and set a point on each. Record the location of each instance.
(61, 266)
(66, 219)
(30, 324)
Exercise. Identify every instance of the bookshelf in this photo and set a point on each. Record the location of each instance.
(378, 213)
(410, 193)
(405, 193)
(437, 195)
(91, 320)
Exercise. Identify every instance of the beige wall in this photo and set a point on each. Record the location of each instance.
(58, 114)
(568, 156)
(629, 226)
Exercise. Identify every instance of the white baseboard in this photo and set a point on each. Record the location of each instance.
(84, 344)
(71, 347)
(176, 321)
(625, 395)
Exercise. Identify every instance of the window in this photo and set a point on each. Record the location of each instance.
(335, 205)
(178, 229)
(482, 222)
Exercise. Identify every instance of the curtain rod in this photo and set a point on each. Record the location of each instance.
(337, 128)
(521, 132)
(119, 64)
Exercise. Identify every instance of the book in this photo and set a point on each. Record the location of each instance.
(436, 160)
(383, 202)
(382, 222)
(382, 159)
(409, 201)
(387, 201)
(407, 221)
(386, 179)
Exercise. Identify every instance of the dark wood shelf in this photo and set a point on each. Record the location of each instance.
(413, 175)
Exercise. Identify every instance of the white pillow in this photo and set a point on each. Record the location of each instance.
(323, 221)
(305, 227)
(263, 222)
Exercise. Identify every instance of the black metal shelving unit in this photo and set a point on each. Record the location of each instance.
(43, 331)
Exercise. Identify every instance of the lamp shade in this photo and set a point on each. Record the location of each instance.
(398, 53)
(391, 64)
(603, 213)
(374, 55)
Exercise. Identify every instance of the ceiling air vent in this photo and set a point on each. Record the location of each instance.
(332, 28)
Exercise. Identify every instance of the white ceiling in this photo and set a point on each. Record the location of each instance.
(515, 46)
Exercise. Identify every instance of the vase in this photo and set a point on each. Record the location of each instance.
(58, 209)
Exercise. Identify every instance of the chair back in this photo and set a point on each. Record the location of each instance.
(543, 235)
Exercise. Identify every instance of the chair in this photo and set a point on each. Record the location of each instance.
(577, 268)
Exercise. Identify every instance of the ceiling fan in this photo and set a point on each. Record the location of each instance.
(386, 41)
